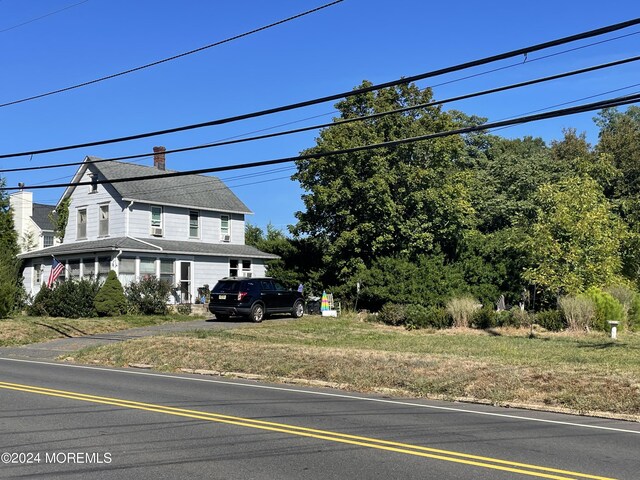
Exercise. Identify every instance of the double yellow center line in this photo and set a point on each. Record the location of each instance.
(397, 447)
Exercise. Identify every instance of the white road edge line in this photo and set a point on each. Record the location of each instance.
(324, 394)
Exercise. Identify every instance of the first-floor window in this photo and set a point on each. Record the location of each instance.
(147, 268)
(246, 268)
(239, 268)
(127, 271)
(88, 268)
(74, 269)
(233, 268)
(37, 274)
(104, 265)
(167, 271)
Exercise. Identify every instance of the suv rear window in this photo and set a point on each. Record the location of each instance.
(226, 286)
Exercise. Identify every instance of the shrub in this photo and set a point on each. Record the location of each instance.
(148, 296)
(579, 312)
(607, 308)
(625, 296)
(634, 313)
(514, 318)
(70, 299)
(184, 308)
(418, 316)
(110, 300)
(393, 314)
(484, 318)
(551, 320)
(41, 304)
(461, 310)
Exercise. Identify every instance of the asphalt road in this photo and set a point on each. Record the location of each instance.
(64, 421)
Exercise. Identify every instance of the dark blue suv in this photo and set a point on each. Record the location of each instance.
(254, 298)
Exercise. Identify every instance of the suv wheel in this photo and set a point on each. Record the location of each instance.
(257, 313)
(298, 309)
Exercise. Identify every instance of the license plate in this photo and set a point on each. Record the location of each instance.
(222, 297)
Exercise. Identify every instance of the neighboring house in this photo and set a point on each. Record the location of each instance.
(188, 230)
(32, 222)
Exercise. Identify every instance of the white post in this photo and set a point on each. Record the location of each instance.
(614, 329)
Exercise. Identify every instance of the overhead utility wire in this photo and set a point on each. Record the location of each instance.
(43, 16)
(345, 121)
(351, 93)
(448, 82)
(164, 60)
(614, 102)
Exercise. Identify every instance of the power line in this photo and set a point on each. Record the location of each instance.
(43, 16)
(349, 120)
(164, 60)
(609, 103)
(401, 81)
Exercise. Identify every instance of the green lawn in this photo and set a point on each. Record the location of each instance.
(583, 373)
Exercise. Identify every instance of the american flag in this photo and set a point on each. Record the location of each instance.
(56, 269)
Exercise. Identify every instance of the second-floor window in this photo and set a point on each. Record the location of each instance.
(82, 224)
(194, 222)
(48, 240)
(156, 221)
(103, 229)
(225, 231)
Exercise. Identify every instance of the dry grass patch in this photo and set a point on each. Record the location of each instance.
(25, 330)
(451, 374)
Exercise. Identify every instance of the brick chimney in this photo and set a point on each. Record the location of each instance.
(158, 157)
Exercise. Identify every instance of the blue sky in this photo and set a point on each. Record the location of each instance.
(321, 54)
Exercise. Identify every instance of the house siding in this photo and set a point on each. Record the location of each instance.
(83, 198)
(175, 224)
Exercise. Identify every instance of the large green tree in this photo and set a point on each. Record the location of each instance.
(9, 285)
(576, 239)
(405, 200)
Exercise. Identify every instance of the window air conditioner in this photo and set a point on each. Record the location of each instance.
(156, 231)
(226, 238)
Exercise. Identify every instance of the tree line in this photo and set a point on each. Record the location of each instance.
(475, 214)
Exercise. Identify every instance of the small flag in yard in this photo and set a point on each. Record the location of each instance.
(56, 269)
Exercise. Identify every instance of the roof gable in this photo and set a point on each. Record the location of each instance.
(194, 191)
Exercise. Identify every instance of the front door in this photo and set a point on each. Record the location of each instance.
(185, 282)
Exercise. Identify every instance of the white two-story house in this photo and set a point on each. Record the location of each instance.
(187, 230)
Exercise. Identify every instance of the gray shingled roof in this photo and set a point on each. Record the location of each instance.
(41, 216)
(199, 191)
(130, 244)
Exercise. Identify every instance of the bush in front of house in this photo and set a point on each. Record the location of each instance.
(69, 299)
(149, 296)
(110, 300)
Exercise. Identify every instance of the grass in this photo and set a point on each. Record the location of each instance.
(24, 330)
(585, 373)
